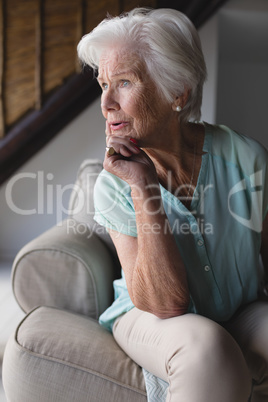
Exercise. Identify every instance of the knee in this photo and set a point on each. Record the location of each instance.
(210, 353)
(211, 346)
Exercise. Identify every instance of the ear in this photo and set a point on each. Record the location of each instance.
(181, 100)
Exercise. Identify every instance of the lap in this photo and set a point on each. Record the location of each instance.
(194, 349)
(197, 357)
(143, 336)
(151, 342)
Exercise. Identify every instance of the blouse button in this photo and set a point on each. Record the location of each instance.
(207, 268)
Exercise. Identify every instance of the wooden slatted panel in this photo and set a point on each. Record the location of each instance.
(80, 27)
(19, 88)
(96, 11)
(39, 55)
(60, 41)
(38, 39)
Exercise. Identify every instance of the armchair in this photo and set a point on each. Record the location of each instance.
(63, 281)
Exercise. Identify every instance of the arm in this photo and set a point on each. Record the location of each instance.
(154, 271)
(66, 269)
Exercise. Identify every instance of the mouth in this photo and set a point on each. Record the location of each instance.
(117, 125)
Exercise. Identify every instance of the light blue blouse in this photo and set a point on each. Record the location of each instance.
(219, 238)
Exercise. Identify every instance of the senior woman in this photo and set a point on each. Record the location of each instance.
(185, 204)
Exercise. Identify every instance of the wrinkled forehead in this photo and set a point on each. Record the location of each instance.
(117, 60)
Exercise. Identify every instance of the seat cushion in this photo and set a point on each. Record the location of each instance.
(59, 356)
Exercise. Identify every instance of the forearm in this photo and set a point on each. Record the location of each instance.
(154, 270)
(158, 281)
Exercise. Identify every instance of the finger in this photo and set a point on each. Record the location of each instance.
(119, 149)
(121, 146)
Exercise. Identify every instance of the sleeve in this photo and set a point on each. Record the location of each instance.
(252, 158)
(259, 179)
(113, 204)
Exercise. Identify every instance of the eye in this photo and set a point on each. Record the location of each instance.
(104, 86)
(124, 83)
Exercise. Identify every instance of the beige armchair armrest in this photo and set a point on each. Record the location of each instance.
(65, 269)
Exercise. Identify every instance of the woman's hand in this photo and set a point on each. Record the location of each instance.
(130, 163)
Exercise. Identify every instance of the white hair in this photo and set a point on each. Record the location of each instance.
(166, 40)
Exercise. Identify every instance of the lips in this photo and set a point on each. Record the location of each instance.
(117, 125)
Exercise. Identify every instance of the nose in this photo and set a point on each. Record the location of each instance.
(108, 101)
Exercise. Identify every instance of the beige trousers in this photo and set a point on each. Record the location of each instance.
(201, 360)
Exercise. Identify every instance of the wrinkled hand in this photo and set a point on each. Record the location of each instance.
(130, 163)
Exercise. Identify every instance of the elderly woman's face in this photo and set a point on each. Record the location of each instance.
(130, 102)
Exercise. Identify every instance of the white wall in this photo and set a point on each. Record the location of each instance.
(58, 162)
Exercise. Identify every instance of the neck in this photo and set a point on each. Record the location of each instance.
(179, 161)
(177, 151)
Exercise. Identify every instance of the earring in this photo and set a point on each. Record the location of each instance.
(178, 108)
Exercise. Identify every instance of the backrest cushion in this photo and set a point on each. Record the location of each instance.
(81, 204)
